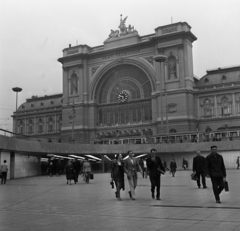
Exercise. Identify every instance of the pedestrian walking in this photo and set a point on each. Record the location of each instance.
(155, 168)
(77, 169)
(145, 169)
(69, 169)
(141, 165)
(117, 175)
(131, 166)
(87, 168)
(215, 169)
(173, 167)
(58, 168)
(238, 162)
(185, 164)
(4, 170)
(199, 169)
(51, 168)
(165, 165)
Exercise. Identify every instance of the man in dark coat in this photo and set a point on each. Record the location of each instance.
(198, 169)
(173, 167)
(77, 169)
(215, 169)
(155, 168)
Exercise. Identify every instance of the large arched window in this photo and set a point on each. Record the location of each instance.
(124, 97)
(124, 78)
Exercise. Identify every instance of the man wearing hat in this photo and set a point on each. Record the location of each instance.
(215, 169)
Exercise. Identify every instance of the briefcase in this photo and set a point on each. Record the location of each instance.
(194, 177)
(91, 176)
(226, 186)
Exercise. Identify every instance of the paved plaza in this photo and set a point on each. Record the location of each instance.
(49, 204)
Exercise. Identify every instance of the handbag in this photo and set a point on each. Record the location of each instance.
(194, 177)
(112, 184)
(161, 171)
(91, 176)
(226, 186)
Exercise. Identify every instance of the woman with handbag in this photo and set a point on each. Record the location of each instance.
(117, 174)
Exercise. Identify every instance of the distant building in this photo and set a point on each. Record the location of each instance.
(118, 90)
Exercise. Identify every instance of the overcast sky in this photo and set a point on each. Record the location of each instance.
(34, 33)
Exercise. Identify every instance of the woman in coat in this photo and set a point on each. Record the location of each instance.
(69, 169)
(117, 174)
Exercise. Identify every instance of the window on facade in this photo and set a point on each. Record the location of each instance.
(30, 127)
(59, 123)
(172, 130)
(50, 124)
(125, 114)
(137, 106)
(128, 78)
(40, 126)
(21, 126)
(224, 79)
(207, 109)
(238, 106)
(225, 107)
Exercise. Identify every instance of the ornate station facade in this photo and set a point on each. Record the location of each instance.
(118, 90)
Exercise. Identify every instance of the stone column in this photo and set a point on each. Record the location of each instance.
(160, 77)
(65, 85)
(215, 106)
(181, 66)
(55, 123)
(198, 107)
(233, 105)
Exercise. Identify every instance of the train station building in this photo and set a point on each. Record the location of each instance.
(121, 89)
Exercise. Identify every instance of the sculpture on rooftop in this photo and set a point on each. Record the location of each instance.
(124, 30)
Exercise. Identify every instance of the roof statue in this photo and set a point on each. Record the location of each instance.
(124, 30)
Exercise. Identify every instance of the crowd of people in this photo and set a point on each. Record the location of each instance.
(72, 169)
(212, 167)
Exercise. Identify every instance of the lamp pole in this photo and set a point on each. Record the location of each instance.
(161, 59)
(16, 89)
(167, 128)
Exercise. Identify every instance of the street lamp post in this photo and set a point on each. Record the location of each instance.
(161, 59)
(16, 89)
